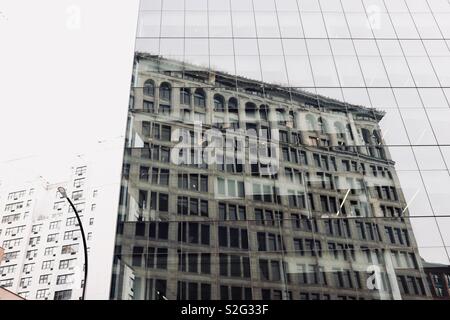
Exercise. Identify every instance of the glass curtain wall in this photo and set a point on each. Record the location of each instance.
(283, 149)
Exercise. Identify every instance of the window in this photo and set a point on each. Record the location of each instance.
(63, 295)
(233, 237)
(72, 221)
(9, 244)
(192, 232)
(16, 195)
(269, 242)
(66, 264)
(194, 262)
(193, 182)
(158, 201)
(328, 204)
(27, 268)
(78, 183)
(149, 88)
(165, 91)
(193, 291)
(229, 188)
(7, 269)
(337, 227)
(80, 171)
(70, 249)
(303, 222)
(296, 199)
(44, 279)
(266, 193)
(54, 225)
(158, 230)
(199, 98)
(165, 133)
(13, 206)
(12, 255)
(58, 206)
(47, 265)
(42, 293)
(185, 96)
(49, 251)
(65, 279)
(14, 231)
(231, 212)
(308, 247)
(235, 293)
(219, 103)
(34, 241)
(52, 237)
(192, 206)
(234, 265)
(148, 106)
(270, 270)
(272, 294)
(77, 195)
(11, 218)
(6, 283)
(25, 282)
(71, 235)
(78, 206)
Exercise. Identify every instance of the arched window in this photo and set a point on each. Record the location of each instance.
(380, 153)
(264, 112)
(323, 125)
(149, 88)
(199, 98)
(366, 136)
(185, 96)
(218, 103)
(339, 128)
(349, 131)
(250, 110)
(164, 91)
(281, 116)
(232, 105)
(376, 137)
(310, 122)
(291, 118)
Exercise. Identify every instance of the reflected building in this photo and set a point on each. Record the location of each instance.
(438, 276)
(240, 189)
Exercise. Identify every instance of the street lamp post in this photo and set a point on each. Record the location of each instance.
(63, 192)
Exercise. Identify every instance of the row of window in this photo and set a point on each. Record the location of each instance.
(368, 231)
(313, 123)
(34, 241)
(289, 154)
(308, 274)
(48, 264)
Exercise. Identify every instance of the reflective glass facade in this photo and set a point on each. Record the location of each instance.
(283, 149)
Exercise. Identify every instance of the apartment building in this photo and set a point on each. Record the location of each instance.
(43, 249)
(239, 189)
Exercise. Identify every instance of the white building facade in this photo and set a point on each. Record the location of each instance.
(43, 249)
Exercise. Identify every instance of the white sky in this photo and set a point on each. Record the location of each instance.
(63, 66)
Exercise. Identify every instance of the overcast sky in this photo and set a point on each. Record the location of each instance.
(64, 80)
